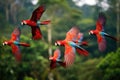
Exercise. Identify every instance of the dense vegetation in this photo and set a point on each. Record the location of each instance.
(63, 14)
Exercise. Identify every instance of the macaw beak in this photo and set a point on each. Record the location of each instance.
(3, 44)
(56, 44)
(50, 58)
(89, 33)
(22, 23)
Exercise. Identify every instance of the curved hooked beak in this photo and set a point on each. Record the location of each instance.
(22, 23)
(50, 58)
(56, 44)
(89, 33)
(3, 44)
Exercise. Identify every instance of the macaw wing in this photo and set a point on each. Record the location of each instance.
(37, 13)
(101, 42)
(16, 52)
(101, 22)
(36, 33)
(72, 34)
(69, 56)
(82, 51)
(80, 37)
(15, 36)
(57, 54)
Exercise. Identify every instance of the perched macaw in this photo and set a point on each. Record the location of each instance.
(99, 32)
(15, 43)
(34, 23)
(71, 46)
(55, 59)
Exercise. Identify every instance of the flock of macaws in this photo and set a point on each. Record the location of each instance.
(73, 42)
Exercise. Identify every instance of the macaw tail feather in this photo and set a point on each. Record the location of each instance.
(18, 57)
(45, 22)
(85, 43)
(82, 51)
(112, 37)
(25, 44)
(52, 65)
(62, 64)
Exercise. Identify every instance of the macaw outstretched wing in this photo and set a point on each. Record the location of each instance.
(37, 13)
(72, 34)
(15, 36)
(101, 21)
(16, 52)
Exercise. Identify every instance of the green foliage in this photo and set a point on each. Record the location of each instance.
(63, 14)
(110, 66)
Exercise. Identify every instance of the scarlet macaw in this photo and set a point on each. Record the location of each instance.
(99, 32)
(34, 23)
(71, 46)
(14, 42)
(55, 59)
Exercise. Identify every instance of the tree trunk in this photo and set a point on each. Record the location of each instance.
(118, 22)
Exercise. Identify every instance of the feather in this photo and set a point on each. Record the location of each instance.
(69, 55)
(72, 34)
(36, 33)
(101, 42)
(37, 13)
(15, 36)
(45, 22)
(16, 52)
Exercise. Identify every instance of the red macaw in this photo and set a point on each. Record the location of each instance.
(34, 23)
(71, 46)
(55, 59)
(99, 32)
(78, 40)
(14, 43)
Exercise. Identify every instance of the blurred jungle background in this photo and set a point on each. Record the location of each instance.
(63, 14)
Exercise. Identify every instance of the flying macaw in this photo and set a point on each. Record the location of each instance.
(99, 32)
(71, 46)
(15, 43)
(78, 41)
(34, 23)
(55, 59)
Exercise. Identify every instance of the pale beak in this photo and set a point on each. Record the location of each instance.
(89, 33)
(3, 44)
(55, 44)
(21, 23)
(50, 58)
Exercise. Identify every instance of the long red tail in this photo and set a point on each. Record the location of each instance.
(45, 22)
(82, 52)
(112, 37)
(25, 44)
(62, 64)
(85, 43)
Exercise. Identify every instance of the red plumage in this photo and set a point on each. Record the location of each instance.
(55, 59)
(72, 39)
(14, 43)
(34, 23)
(99, 32)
